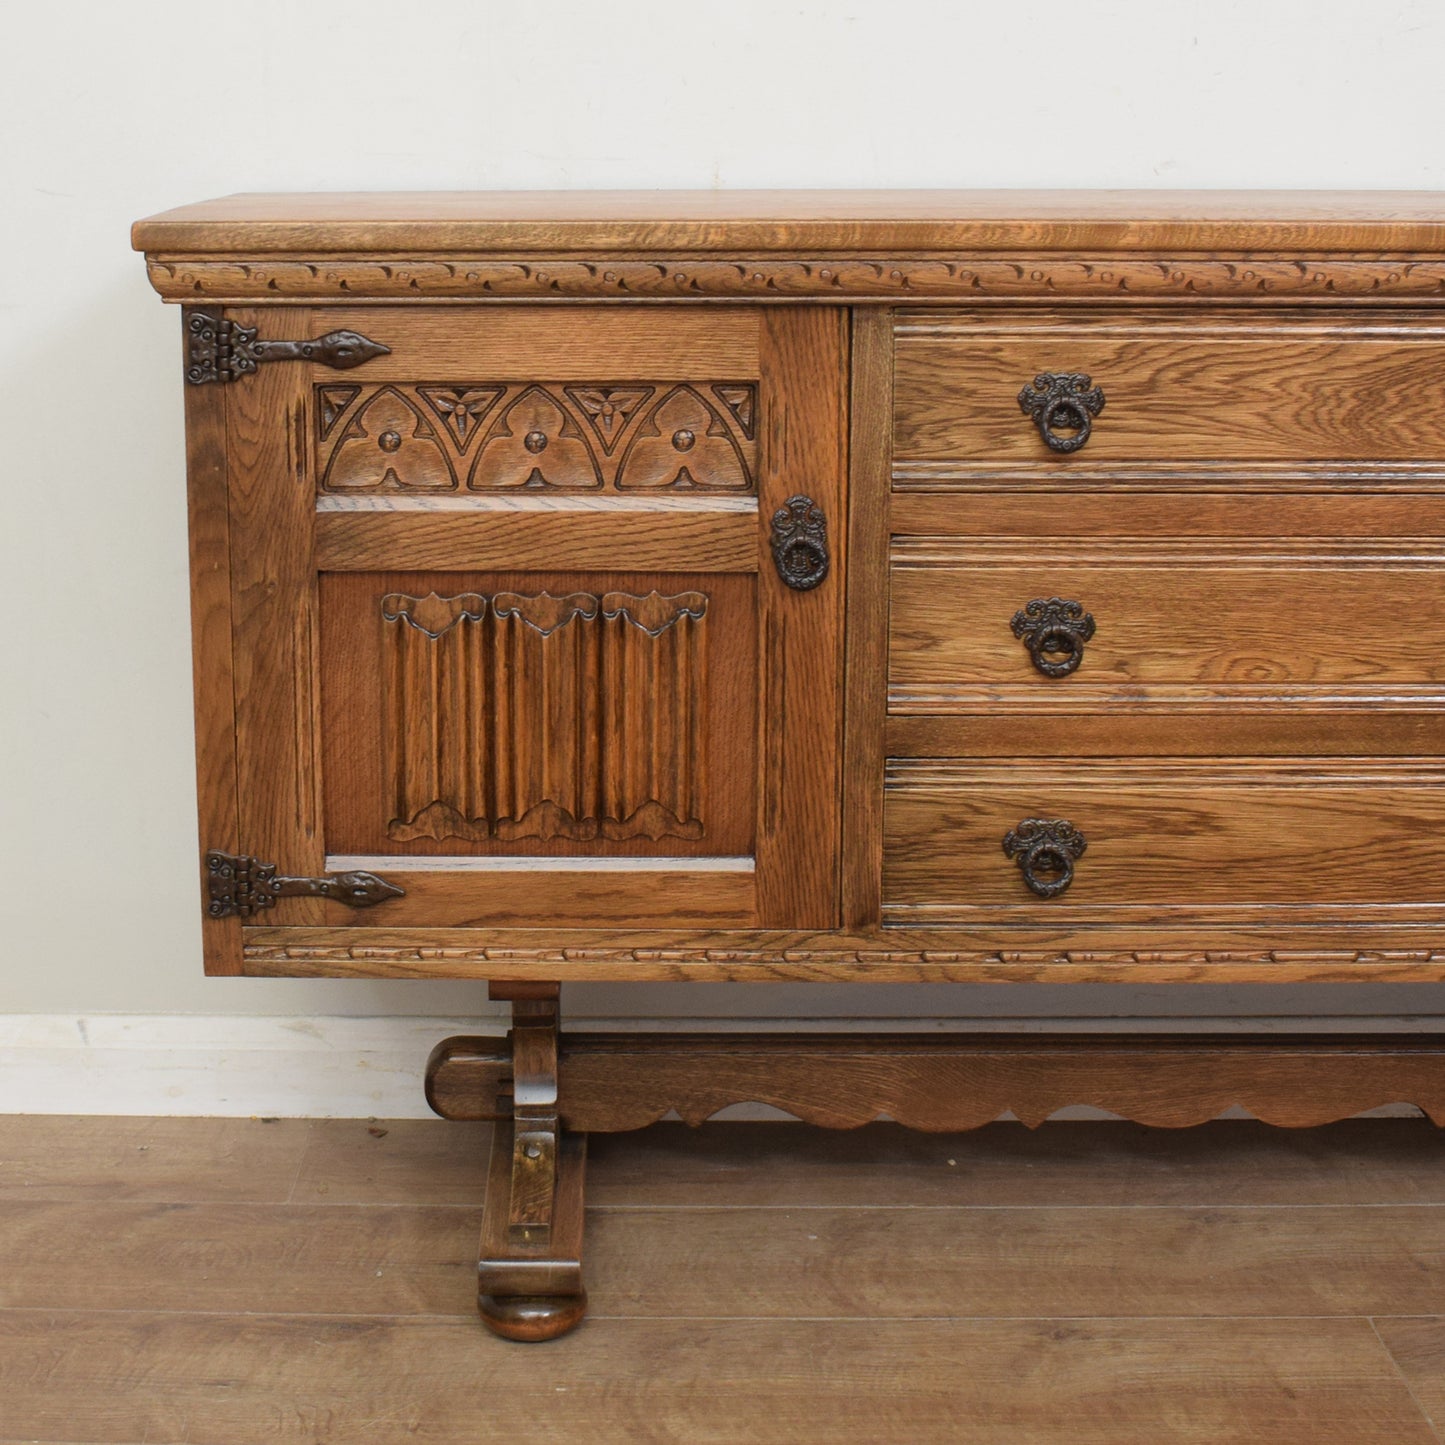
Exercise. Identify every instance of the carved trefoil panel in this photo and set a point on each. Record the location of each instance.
(576, 717)
(487, 436)
(382, 443)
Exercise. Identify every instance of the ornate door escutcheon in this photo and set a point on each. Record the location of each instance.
(219, 349)
(800, 543)
(241, 886)
(1054, 630)
(1063, 405)
(1045, 850)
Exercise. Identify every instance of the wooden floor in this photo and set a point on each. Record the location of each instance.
(222, 1282)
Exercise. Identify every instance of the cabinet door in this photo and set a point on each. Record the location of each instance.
(510, 625)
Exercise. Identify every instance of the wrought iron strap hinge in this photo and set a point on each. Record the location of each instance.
(219, 349)
(241, 886)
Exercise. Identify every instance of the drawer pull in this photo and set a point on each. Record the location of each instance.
(1063, 405)
(800, 543)
(1045, 850)
(1054, 630)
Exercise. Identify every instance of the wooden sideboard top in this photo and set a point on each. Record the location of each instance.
(852, 247)
(785, 220)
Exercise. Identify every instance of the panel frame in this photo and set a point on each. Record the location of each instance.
(283, 535)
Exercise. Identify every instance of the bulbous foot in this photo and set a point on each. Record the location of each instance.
(531, 1317)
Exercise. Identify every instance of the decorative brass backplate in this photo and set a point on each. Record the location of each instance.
(1054, 630)
(241, 886)
(219, 349)
(800, 543)
(1045, 850)
(1067, 400)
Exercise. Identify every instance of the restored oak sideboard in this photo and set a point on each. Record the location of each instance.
(819, 586)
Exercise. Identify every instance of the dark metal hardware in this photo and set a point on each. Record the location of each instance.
(219, 349)
(242, 885)
(1045, 850)
(1054, 630)
(800, 543)
(1063, 400)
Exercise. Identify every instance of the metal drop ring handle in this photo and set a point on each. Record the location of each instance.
(1054, 629)
(1063, 405)
(799, 541)
(1045, 850)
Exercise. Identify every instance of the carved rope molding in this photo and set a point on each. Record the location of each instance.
(961, 277)
(266, 953)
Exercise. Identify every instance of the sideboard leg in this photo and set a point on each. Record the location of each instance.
(529, 1274)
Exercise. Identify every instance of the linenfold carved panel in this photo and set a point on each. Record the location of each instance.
(516, 716)
(538, 436)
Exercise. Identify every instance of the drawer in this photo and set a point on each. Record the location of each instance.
(1287, 841)
(1074, 396)
(1051, 624)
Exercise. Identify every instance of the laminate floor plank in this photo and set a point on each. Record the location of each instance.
(1009, 1263)
(1095, 1284)
(394, 1161)
(1418, 1348)
(80, 1157)
(1359, 1161)
(727, 1263)
(264, 1258)
(222, 1380)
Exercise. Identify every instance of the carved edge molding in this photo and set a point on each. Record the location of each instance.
(862, 957)
(961, 277)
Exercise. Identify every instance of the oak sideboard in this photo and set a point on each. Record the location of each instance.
(912, 586)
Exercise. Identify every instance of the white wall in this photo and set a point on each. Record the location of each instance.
(111, 112)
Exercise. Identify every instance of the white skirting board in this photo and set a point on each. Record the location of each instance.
(347, 1067)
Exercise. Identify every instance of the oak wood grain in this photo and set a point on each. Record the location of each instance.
(1370, 506)
(865, 676)
(947, 1082)
(273, 602)
(546, 540)
(1173, 394)
(495, 720)
(804, 450)
(1245, 622)
(515, 892)
(522, 343)
(1196, 951)
(211, 663)
(999, 220)
(1161, 832)
(1193, 723)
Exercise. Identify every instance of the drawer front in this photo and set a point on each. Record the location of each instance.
(1045, 625)
(973, 395)
(1272, 843)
